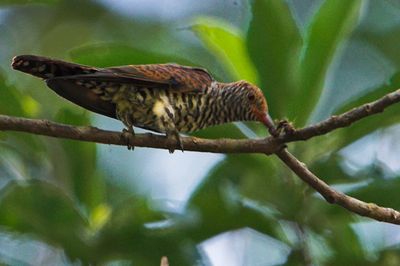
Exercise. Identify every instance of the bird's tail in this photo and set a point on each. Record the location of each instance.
(46, 68)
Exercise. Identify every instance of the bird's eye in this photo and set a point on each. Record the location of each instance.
(251, 97)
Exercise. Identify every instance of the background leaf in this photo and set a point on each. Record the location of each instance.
(41, 209)
(274, 44)
(82, 203)
(330, 26)
(215, 35)
(18, 2)
(86, 183)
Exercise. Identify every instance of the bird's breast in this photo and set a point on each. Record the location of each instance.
(148, 107)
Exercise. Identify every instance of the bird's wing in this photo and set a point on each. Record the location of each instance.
(173, 77)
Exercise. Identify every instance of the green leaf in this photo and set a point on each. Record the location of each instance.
(116, 54)
(10, 99)
(128, 234)
(331, 25)
(381, 191)
(228, 46)
(44, 210)
(13, 102)
(241, 196)
(274, 43)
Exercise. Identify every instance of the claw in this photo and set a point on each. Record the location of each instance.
(179, 141)
(285, 127)
(171, 143)
(174, 140)
(127, 133)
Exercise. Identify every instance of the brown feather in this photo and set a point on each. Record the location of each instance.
(178, 78)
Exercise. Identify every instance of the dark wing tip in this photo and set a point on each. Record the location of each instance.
(18, 61)
(44, 67)
(82, 96)
(32, 64)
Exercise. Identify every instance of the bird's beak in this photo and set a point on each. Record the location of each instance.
(269, 123)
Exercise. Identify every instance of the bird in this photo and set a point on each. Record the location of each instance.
(165, 98)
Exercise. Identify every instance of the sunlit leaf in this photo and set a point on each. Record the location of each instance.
(14, 103)
(99, 217)
(10, 99)
(228, 46)
(330, 26)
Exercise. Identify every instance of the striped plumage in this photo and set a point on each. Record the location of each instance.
(165, 98)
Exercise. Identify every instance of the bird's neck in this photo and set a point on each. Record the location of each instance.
(228, 103)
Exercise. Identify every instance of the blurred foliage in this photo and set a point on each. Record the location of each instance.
(60, 193)
(112, 54)
(274, 44)
(215, 35)
(17, 2)
(332, 24)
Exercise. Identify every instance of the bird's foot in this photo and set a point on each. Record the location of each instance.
(127, 134)
(285, 127)
(171, 148)
(175, 141)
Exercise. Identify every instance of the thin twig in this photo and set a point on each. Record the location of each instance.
(343, 120)
(335, 197)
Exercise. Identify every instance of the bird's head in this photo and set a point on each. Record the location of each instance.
(257, 105)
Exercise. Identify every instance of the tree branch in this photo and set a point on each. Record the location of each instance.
(370, 210)
(268, 146)
(93, 134)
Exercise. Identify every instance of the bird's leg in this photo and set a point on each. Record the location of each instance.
(178, 139)
(127, 132)
(172, 133)
(174, 140)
